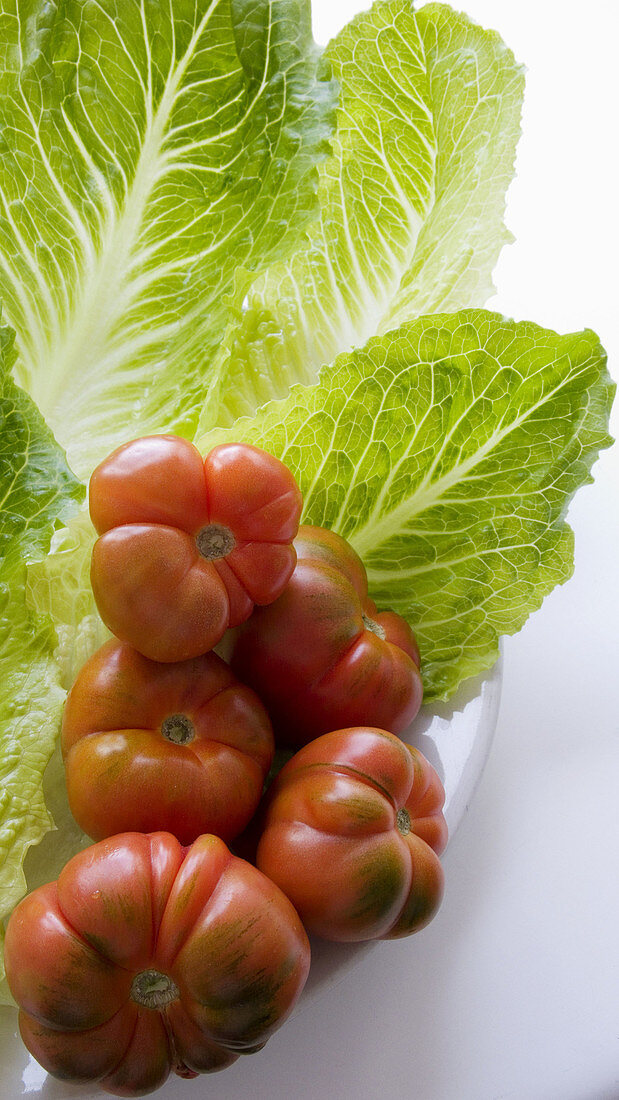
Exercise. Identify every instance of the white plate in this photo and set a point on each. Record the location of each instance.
(455, 738)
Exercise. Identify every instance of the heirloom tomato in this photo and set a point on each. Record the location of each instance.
(182, 747)
(322, 657)
(188, 545)
(352, 831)
(145, 957)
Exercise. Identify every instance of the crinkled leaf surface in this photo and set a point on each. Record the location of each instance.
(58, 586)
(412, 199)
(37, 493)
(422, 157)
(447, 452)
(151, 153)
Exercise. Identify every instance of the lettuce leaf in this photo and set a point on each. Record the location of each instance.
(446, 453)
(37, 493)
(407, 89)
(412, 199)
(58, 587)
(151, 156)
(413, 196)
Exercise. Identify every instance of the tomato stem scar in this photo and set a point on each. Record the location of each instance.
(178, 728)
(403, 821)
(152, 989)
(215, 541)
(371, 624)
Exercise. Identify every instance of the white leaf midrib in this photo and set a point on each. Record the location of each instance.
(380, 528)
(107, 294)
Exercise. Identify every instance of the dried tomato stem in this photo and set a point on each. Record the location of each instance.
(403, 821)
(215, 541)
(178, 728)
(371, 624)
(152, 989)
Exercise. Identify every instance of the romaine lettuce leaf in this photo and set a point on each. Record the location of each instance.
(152, 154)
(37, 493)
(446, 452)
(412, 199)
(58, 586)
(422, 158)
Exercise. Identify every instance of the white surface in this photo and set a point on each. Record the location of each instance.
(512, 993)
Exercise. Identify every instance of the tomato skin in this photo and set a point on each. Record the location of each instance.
(187, 546)
(322, 657)
(352, 831)
(223, 941)
(124, 774)
(132, 485)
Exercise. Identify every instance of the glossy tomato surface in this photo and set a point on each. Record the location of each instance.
(322, 657)
(182, 747)
(188, 545)
(352, 831)
(145, 958)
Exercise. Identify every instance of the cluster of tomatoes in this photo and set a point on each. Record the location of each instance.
(159, 948)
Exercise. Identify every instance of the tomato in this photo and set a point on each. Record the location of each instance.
(352, 831)
(322, 657)
(183, 747)
(145, 957)
(187, 545)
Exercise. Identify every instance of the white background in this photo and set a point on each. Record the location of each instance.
(512, 993)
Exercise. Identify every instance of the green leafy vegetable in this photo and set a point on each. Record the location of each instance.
(37, 492)
(446, 453)
(58, 586)
(151, 155)
(412, 199)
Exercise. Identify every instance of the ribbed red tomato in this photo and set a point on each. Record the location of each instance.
(145, 958)
(352, 831)
(180, 747)
(188, 545)
(322, 657)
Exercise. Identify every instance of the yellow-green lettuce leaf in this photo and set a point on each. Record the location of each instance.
(446, 452)
(412, 198)
(151, 156)
(38, 492)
